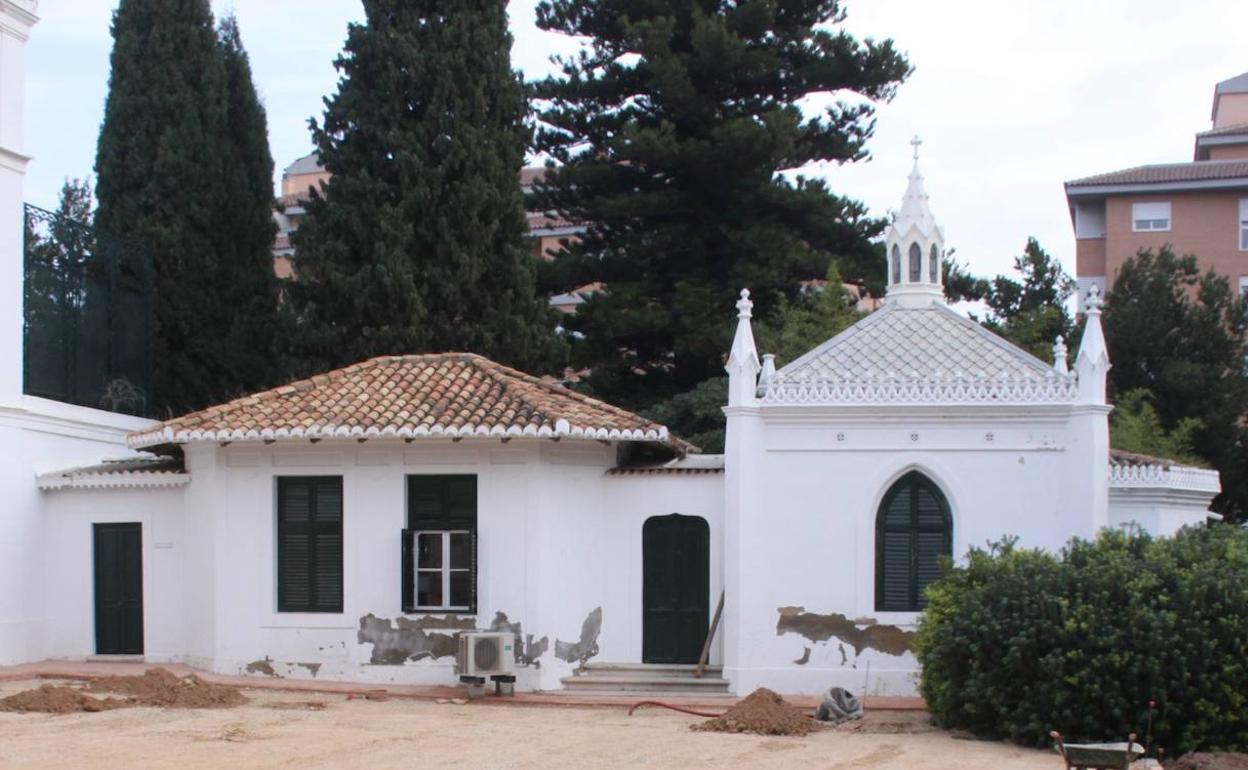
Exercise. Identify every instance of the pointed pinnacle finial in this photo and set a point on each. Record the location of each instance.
(744, 305)
(1059, 355)
(916, 141)
(1092, 303)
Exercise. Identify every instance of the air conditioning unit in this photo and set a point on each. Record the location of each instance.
(486, 654)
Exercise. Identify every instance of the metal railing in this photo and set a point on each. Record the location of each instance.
(89, 316)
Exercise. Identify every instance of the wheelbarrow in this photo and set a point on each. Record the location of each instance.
(1097, 756)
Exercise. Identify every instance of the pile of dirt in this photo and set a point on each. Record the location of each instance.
(160, 687)
(762, 712)
(57, 699)
(1210, 761)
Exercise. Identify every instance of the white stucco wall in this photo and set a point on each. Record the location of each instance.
(558, 538)
(36, 436)
(813, 480)
(67, 590)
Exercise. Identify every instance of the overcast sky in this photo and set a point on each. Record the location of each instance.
(1011, 97)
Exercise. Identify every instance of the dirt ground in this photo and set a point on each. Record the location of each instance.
(277, 729)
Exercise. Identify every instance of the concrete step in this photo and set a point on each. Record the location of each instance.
(648, 685)
(659, 679)
(672, 670)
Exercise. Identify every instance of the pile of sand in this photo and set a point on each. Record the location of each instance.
(57, 699)
(159, 687)
(1210, 761)
(762, 712)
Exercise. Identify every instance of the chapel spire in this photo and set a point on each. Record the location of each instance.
(915, 247)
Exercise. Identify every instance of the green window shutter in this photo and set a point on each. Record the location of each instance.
(438, 503)
(913, 531)
(309, 544)
(408, 571)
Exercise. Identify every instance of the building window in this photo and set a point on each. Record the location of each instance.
(916, 263)
(1243, 224)
(1150, 217)
(309, 544)
(440, 544)
(896, 265)
(913, 530)
(933, 268)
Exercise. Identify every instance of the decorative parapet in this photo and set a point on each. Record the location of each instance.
(954, 389)
(1162, 476)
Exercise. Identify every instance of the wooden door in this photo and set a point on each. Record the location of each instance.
(675, 588)
(118, 589)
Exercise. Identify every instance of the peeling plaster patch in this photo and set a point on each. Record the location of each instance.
(587, 647)
(404, 639)
(264, 666)
(527, 652)
(889, 640)
(805, 657)
(313, 668)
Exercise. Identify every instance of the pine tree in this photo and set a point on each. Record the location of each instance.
(417, 243)
(245, 240)
(1032, 313)
(672, 132)
(160, 184)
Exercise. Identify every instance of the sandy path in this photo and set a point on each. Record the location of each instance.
(400, 733)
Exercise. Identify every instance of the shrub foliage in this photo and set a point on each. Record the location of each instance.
(1019, 642)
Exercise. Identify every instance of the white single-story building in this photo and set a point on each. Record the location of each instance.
(349, 525)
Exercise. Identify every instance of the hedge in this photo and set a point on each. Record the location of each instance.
(1017, 642)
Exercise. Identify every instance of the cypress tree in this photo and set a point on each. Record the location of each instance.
(245, 240)
(160, 184)
(417, 241)
(672, 132)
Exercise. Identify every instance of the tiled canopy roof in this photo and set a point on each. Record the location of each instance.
(447, 394)
(923, 342)
(917, 355)
(1197, 171)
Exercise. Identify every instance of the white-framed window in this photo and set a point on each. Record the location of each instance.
(1243, 285)
(1243, 224)
(443, 570)
(1153, 216)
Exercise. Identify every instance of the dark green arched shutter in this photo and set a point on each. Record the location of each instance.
(913, 530)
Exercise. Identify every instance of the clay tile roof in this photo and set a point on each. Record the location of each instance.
(444, 394)
(1171, 172)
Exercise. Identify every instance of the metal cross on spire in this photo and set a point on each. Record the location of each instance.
(916, 141)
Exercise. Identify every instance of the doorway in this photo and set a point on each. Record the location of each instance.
(118, 589)
(675, 588)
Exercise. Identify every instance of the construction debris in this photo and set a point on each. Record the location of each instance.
(57, 699)
(762, 712)
(159, 687)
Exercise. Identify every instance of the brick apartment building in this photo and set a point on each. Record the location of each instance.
(1199, 207)
(306, 174)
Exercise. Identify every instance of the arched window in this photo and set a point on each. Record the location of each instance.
(896, 265)
(916, 263)
(913, 529)
(934, 266)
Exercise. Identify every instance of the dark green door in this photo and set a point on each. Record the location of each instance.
(675, 588)
(118, 589)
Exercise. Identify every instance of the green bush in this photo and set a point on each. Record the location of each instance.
(1018, 642)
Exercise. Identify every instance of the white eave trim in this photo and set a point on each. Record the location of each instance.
(1174, 477)
(561, 429)
(119, 480)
